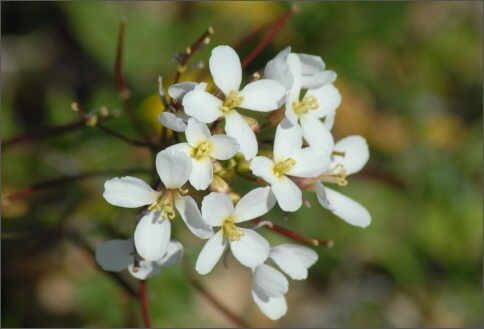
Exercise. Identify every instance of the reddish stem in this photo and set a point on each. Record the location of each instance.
(143, 297)
(272, 33)
(123, 90)
(296, 236)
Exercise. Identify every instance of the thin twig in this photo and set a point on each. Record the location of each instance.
(61, 181)
(93, 121)
(123, 90)
(294, 235)
(203, 39)
(143, 297)
(212, 299)
(272, 33)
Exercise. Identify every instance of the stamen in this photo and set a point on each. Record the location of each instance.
(282, 167)
(231, 231)
(203, 150)
(336, 175)
(164, 204)
(309, 103)
(231, 101)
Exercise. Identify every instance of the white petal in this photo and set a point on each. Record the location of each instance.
(288, 195)
(211, 253)
(226, 69)
(174, 254)
(288, 140)
(197, 132)
(254, 204)
(187, 207)
(145, 269)
(318, 79)
(115, 255)
(216, 207)
(293, 259)
(347, 209)
(290, 114)
(129, 192)
(356, 153)
(203, 106)
(174, 168)
(321, 194)
(152, 235)
(329, 120)
(269, 281)
(316, 133)
(311, 63)
(262, 95)
(328, 97)
(277, 69)
(273, 308)
(223, 147)
(202, 173)
(181, 147)
(263, 167)
(251, 250)
(179, 90)
(295, 66)
(171, 121)
(310, 162)
(238, 128)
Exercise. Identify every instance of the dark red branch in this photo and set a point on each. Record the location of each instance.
(143, 297)
(295, 236)
(272, 33)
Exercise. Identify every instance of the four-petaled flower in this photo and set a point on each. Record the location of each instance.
(350, 155)
(269, 285)
(248, 246)
(261, 95)
(290, 159)
(116, 255)
(202, 149)
(153, 231)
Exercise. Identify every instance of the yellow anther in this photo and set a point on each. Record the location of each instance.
(336, 175)
(309, 103)
(231, 231)
(231, 101)
(164, 204)
(282, 167)
(202, 150)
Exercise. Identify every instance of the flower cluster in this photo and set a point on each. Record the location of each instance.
(293, 93)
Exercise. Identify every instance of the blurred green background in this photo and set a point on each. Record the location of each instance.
(410, 75)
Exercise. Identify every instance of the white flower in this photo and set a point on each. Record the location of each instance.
(350, 155)
(202, 149)
(316, 104)
(262, 95)
(313, 73)
(153, 231)
(116, 255)
(177, 120)
(269, 285)
(218, 210)
(290, 159)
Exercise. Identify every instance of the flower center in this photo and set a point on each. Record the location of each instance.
(230, 231)
(231, 101)
(203, 150)
(336, 175)
(165, 204)
(283, 167)
(309, 103)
